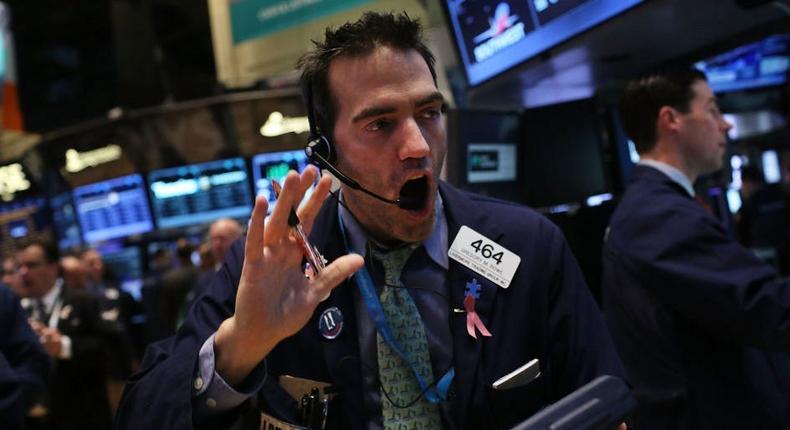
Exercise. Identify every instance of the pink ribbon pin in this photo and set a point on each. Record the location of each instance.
(473, 320)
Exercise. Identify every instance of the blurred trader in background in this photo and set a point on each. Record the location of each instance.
(70, 328)
(24, 365)
(74, 272)
(701, 324)
(11, 277)
(375, 95)
(122, 314)
(176, 285)
(221, 235)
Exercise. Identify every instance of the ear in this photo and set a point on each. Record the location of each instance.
(668, 119)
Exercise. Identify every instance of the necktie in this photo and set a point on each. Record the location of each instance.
(396, 376)
(39, 313)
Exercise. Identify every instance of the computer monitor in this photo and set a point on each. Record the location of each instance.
(113, 208)
(65, 222)
(485, 148)
(564, 163)
(124, 265)
(200, 193)
(23, 216)
(492, 36)
(759, 64)
(276, 165)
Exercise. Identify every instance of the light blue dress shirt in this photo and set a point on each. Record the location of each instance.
(673, 172)
(425, 274)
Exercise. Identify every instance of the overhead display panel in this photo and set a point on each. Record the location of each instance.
(200, 193)
(113, 208)
(493, 36)
(759, 64)
(275, 166)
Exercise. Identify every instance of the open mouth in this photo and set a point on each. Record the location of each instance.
(414, 194)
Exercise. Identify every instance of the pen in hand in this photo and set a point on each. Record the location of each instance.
(314, 258)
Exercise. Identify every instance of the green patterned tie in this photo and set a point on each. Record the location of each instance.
(396, 377)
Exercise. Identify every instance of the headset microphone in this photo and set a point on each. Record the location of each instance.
(319, 152)
(314, 155)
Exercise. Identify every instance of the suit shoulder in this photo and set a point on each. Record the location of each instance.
(513, 216)
(654, 201)
(81, 297)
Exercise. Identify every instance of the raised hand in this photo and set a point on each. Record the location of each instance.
(51, 339)
(274, 298)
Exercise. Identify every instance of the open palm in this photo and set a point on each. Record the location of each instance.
(275, 299)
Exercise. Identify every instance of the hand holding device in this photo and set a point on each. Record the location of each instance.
(314, 258)
(274, 299)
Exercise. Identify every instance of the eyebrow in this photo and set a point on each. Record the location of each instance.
(376, 111)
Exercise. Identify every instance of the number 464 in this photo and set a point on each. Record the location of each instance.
(487, 250)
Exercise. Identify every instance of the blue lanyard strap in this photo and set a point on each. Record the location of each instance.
(366, 288)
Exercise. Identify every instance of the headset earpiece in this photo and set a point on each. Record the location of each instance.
(318, 150)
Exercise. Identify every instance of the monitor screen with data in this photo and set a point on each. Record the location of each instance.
(200, 193)
(276, 165)
(113, 208)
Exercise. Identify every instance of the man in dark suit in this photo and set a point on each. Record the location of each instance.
(70, 328)
(702, 325)
(266, 317)
(24, 366)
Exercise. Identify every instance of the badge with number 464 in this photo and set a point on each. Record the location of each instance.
(484, 256)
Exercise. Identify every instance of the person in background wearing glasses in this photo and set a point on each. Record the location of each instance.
(69, 326)
(371, 87)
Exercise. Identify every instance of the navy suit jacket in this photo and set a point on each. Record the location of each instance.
(24, 365)
(77, 389)
(701, 324)
(546, 313)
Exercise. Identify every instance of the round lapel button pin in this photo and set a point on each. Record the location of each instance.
(330, 324)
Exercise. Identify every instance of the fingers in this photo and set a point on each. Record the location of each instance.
(336, 273)
(309, 210)
(308, 178)
(288, 199)
(253, 245)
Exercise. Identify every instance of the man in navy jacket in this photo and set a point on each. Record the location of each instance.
(701, 324)
(24, 365)
(374, 91)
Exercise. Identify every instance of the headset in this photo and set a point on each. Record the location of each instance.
(319, 151)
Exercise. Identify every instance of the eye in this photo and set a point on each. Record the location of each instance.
(379, 125)
(431, 113)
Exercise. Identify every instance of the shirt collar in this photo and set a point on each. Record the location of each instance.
(435, 244)
(673, 172)
(48, 301)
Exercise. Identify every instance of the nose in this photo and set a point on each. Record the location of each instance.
(726, 125)
(413, 142)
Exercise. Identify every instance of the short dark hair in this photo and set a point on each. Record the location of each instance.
(355, 39)
(644, 97)
(51, 251)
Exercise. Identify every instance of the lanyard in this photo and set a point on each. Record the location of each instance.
(366, 288)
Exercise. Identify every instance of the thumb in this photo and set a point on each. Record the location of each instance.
(336, 273)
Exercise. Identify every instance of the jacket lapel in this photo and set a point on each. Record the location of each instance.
(345, 372)
(460, 211)
(469, 382)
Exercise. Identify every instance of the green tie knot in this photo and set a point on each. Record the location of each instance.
(393, 261)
